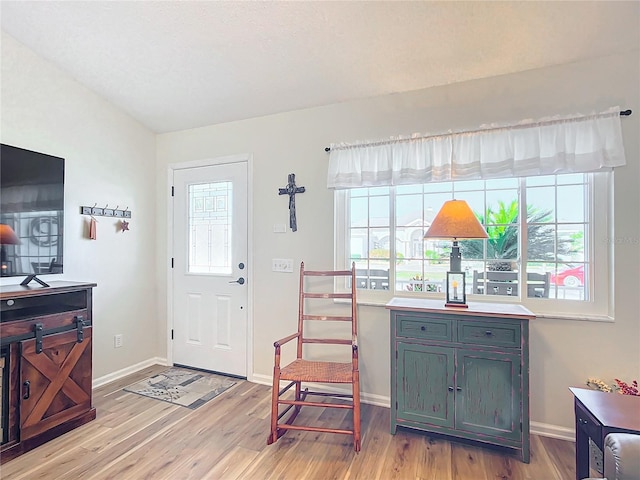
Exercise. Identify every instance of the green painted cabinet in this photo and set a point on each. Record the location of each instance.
(461, 372)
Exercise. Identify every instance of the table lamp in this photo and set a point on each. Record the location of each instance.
(456, 221)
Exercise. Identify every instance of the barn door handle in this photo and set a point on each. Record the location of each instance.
(26, 390)
(79, 328)
(240, 281)
(38, 329)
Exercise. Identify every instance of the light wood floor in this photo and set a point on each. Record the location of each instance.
(134, 437)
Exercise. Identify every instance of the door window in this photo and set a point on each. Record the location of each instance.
(210, 220)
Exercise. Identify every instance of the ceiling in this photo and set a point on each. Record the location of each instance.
(178, 65)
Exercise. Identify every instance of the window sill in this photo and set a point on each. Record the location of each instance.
(380, 301)
(577, 317)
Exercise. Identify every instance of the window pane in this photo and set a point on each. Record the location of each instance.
(438, 187)
(472, 185)
(501, 282)
(475, 201)
(210, 216)
(502, 207)
(502, 183)
(374, 278)
(408, 210)
(438, 250)
(541, 242)
(571, 203)
(502, 242)
(379, 243)
(379, 208)
(433, 203)
(472, 249)
(359, 211)
(568, 281)
(541, 202)
(359, 192)
(538, 280)
(408, 272)
(543, 180)
(359, 243)
(404, 189)
(571, 178)
(378, 191)
(571, 241)
(435, 274)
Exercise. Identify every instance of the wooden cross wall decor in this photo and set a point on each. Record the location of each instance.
(291, 190)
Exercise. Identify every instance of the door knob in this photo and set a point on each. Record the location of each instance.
(240, 281)
(26, 390)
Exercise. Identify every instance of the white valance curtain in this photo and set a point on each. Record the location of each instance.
(547, 146)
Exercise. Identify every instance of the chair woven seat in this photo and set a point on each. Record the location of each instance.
(307, 371)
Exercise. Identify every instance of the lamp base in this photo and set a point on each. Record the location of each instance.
(456, 305)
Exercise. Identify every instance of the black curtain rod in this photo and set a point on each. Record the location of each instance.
(623, 113)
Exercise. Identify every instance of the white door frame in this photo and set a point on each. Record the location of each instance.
(248, 158)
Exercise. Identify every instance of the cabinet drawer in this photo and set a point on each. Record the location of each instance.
(49, 322)
(489, 333)
(432, 328)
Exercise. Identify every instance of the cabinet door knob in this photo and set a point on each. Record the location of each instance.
(26, 390)
(458, 389)
(488, 333)
(451, 389)
(423, 328)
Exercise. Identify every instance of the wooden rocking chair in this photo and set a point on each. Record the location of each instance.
(302, 370)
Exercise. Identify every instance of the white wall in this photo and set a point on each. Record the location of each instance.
(109, 159)
(563, 353)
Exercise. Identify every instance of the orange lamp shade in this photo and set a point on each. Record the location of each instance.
(456, 220)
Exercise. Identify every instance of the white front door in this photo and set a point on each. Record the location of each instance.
(210, 268)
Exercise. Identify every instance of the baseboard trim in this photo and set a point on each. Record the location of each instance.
(553, 431)
(111, 377)
(537, 428)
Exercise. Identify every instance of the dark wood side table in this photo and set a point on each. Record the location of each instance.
(597, 415)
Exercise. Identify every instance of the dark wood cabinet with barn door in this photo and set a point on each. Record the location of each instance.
(46, 358)
(462, 372)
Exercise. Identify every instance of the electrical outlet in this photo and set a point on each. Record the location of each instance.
(284, 265)
(117, 340)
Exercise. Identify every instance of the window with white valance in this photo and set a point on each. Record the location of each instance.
(548, 146)
(542, 190)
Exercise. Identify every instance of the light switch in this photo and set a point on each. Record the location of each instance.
(284, 265)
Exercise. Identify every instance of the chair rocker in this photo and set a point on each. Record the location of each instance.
(318, 372)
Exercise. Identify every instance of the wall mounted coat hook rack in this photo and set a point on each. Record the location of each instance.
(105, 212)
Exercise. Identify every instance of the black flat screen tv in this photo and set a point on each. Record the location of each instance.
(31, 213)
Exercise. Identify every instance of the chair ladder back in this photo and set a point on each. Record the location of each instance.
(329, 318)
(302, 316)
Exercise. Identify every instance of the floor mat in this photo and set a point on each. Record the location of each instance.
(189, 388)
